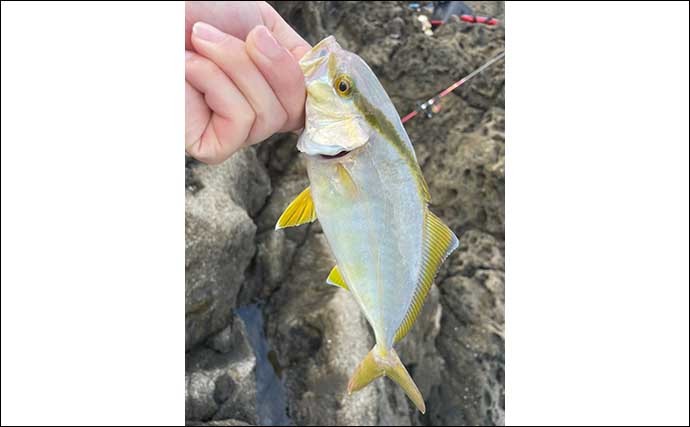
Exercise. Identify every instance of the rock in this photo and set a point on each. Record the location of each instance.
(287, 184)
(220, 378)
(218, 423)
(219, 239)
(274, 255)
(466, 175)
(276, 249)
(471, 340)
(279, 155)
(243, 177)
(219, 246)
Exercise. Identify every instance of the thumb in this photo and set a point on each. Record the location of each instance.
(281, 71)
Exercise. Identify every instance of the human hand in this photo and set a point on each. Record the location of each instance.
(243, 81)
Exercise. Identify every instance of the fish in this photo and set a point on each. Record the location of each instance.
(367, 190)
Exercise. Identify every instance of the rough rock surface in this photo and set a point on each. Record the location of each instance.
(315, 333)
(219, 238)
(220, 377)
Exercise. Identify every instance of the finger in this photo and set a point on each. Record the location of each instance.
(231, 56)
(229, 115)
(236, 18)
(239, 18)
(282, 31)
(197, 114)
(282, 72)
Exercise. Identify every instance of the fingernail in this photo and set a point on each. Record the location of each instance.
(208, 32)
(267, 45)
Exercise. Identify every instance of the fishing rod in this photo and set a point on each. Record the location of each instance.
(472, 19)
(440, 12)
(431, 103)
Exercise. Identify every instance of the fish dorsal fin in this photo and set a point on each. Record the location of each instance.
(336, 279)
(299, 211)
(439, 242)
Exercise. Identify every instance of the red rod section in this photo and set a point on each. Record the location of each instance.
(470, 19)
(478, 19)
(409, 116)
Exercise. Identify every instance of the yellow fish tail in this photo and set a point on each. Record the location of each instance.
(381, 362)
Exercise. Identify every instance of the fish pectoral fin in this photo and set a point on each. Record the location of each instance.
(336, 279)
(439, 242)
(299, 211)
(379, 363)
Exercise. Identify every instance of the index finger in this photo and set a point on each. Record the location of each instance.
(239, 18)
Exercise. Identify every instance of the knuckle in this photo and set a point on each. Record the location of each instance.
(270, 120)
(244, 119)
(259, 126)
(208, 154)
(282, 118)
(197, 67)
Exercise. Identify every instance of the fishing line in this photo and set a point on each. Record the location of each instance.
(425, 107)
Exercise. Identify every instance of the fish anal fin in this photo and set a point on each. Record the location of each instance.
(336, 279)
(299, 211)
(439, 242)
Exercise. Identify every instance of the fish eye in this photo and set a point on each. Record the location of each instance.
(343, 86)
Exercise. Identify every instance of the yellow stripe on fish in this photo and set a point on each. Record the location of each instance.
(378, 120)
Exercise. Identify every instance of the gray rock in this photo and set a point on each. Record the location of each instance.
(219, 244)
(274, 256)
(276, 249)
(248, 182)
(216, 255)
(466, 175)
(471, 340)
(243, 177)
(220, 378)
(286, 186)
(218, 423)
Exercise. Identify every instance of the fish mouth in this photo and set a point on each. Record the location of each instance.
(335, 156)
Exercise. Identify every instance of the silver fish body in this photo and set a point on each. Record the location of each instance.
(368, 192)
(375, 236)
